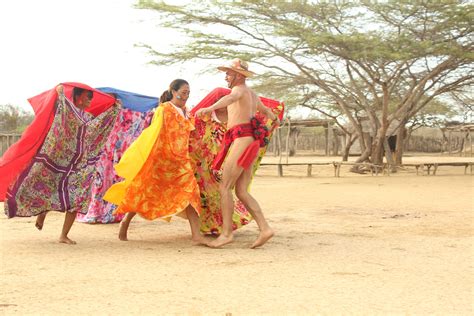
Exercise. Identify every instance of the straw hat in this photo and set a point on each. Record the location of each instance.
(239, 66)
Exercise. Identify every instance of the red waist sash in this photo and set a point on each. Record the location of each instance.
(256, 129)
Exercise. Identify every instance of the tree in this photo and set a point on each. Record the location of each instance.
(463, 104)
(377, 61)
(434, 115)
(13, 119)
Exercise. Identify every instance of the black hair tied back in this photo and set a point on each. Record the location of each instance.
(175, 85)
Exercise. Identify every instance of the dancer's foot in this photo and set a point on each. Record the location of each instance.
(40, 221)
(200, 240)
(263, 237)
(66, 240)
(221, 241)
(123, 231)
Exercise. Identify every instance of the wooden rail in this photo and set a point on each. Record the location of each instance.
(426, 166)
(374, 169)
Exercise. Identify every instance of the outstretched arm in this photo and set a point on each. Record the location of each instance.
(224, 102)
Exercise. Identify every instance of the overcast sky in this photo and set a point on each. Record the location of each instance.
(45, 42)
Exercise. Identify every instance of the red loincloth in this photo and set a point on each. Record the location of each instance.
(256, 129)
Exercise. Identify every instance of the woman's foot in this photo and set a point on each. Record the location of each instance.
(221, 241)
(263, 237)
(66, 240)
(40, 221)
(200, 240)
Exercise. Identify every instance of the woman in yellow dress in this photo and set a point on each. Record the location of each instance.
(158, 171)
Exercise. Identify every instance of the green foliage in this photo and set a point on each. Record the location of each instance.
(13, 119)
(383, 60)
(435, 114)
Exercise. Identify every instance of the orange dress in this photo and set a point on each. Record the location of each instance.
(164, 184)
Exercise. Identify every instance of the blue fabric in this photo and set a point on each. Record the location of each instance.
(133, 101)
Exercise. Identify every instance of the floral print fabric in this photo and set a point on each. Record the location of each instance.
(60, 175)
(165, 184)
(127, 128)
(205, 143)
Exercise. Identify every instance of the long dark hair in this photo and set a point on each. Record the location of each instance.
(174, 86)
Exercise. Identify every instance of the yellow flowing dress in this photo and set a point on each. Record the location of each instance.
(158, 172)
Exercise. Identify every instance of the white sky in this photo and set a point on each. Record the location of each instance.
(45, 42)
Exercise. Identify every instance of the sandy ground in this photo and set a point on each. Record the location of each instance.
(358, 244)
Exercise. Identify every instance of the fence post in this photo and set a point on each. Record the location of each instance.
(310, 167)
(288, 141)
(6, 140)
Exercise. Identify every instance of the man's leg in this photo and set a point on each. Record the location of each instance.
(227, 205)
(68, 221)
(124, 225)
(40, 220)
(230, 173)
(241, 190)
(193, 218)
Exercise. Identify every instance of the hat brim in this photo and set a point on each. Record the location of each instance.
(245, 73)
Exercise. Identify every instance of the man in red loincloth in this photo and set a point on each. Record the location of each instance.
(245, 135)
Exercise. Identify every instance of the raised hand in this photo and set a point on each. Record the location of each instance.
(60, 89)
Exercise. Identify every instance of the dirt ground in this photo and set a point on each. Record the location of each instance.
(358, 244)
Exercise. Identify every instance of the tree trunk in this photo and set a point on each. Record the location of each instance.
(378, 146)
(364, 143)
(349, 141)
(399, 147)
(377, 150)
(388, 156)
(293, 141)
(365, 155)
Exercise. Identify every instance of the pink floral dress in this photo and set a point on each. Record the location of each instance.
(127, 128)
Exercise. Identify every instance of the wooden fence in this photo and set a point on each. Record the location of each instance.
(437, 144)
(320, 144)
(6, 140)
(421, 168)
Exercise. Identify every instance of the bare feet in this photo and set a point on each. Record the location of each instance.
(66, 240)
(40, 221)
(263, 237)
(123, 231)
(200, 240)
(221, 241)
